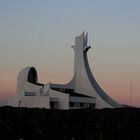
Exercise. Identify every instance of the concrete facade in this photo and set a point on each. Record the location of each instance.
(81, 92)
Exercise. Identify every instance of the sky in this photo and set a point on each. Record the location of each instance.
(40, 33)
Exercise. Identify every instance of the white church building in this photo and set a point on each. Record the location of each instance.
(81, 92)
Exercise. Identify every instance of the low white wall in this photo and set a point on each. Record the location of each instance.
(35, 102)
(63, 99)
(13, 101)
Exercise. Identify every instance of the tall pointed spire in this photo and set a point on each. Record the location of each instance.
(85, 82)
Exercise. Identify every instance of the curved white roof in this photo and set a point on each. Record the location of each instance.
(24, 73)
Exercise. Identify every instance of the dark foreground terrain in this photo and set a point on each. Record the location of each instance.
(84, 124)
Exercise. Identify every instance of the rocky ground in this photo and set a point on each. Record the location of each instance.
(83, 124)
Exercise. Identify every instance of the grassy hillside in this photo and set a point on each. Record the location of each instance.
(84, 124)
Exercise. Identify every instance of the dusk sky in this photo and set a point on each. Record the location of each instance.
(40, 33)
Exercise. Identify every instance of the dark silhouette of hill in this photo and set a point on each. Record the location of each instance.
(82, 124)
